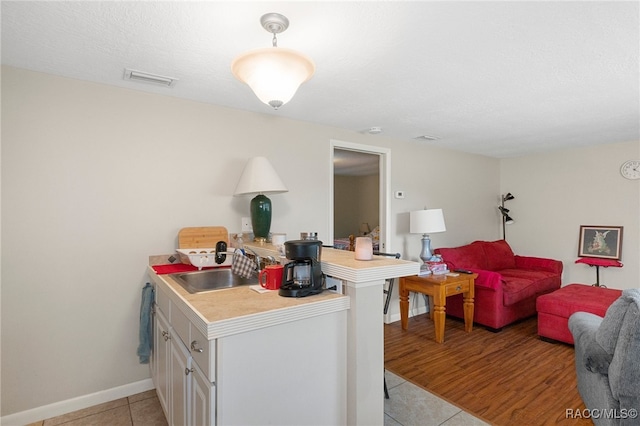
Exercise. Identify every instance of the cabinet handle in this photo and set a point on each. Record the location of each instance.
(194, 348)
(458, 288)
(166, 336)
(187, 371)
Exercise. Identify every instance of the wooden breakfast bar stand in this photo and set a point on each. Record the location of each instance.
(439, 287)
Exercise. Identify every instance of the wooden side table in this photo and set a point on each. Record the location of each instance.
(439, 287)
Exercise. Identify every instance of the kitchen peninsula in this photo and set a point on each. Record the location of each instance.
(251, 358)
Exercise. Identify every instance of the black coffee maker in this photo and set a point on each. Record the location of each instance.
(302, 275)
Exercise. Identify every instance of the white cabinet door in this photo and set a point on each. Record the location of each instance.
(191, 392)
(161, 365)
(185, 393)
(202, 398)
(180, 392)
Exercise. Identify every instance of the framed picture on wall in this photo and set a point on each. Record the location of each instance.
(604, 242)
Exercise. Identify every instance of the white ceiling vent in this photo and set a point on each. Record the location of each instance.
(146, 77)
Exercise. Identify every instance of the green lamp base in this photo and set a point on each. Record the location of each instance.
(260, 217)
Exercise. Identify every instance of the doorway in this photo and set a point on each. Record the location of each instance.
(359, 187)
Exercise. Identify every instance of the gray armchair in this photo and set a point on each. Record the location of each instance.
(608, 361)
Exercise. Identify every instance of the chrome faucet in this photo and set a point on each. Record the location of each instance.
(260, 261)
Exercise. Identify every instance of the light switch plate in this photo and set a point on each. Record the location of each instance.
(399, 194)
(246, 224)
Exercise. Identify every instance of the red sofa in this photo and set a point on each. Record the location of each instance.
(507, 285)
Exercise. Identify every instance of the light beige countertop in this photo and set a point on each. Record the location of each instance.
(219, 313)
(223, 312)
(343, 265)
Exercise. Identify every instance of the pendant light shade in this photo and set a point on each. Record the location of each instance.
(274, 74)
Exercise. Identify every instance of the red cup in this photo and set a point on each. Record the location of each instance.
(271, 277)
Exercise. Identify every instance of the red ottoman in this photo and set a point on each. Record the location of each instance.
(554, 309)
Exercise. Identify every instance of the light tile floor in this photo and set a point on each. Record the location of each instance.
(408, 405)
(142, 409)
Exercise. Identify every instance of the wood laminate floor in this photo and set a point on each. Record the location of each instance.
(506, 378)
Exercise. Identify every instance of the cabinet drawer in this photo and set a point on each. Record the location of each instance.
(180, 325)
(163, 302)
(207, 358)
(455, 288)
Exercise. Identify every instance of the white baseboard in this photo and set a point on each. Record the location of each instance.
(74, 404)
(417, 306)
(389, 318)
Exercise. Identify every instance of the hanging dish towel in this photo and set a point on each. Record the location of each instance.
(146, 340)
(242, 265)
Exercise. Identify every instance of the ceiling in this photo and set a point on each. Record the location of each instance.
(501, 79)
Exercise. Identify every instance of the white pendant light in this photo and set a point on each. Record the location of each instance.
(274, 74)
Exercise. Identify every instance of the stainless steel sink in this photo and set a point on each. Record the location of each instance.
(211, 279)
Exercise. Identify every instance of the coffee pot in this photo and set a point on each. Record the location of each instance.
(302, 275)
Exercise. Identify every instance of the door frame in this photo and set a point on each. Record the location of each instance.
(384, 168)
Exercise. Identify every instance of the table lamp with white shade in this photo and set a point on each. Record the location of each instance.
(425, 222)
(259, 177)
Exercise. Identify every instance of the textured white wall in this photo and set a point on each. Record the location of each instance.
(96, 178)
(556, 193)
